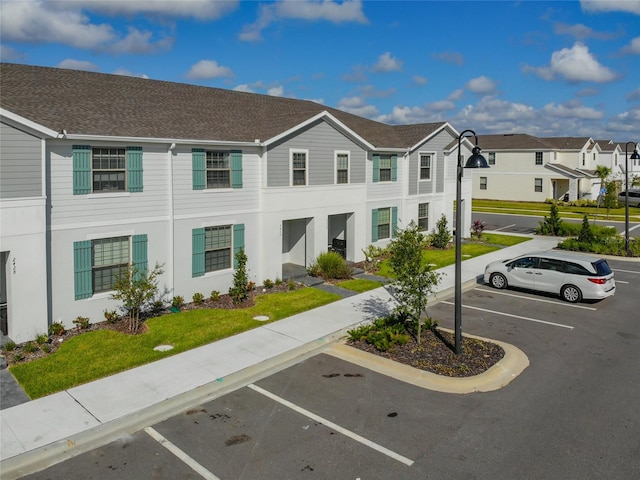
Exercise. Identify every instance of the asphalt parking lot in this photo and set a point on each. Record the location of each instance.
(571, 414)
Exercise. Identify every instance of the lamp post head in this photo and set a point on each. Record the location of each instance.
(635, 155)
(476, 160)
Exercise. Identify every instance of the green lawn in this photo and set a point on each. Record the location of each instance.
(540, 209)
(503, 240)
(359, 285)
(97, 354)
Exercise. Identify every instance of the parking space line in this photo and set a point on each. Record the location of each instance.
(504, 228)
(625, 271)
(333, 426)
(621, 281)
(514, 316)
(195, 466)
(563, 304)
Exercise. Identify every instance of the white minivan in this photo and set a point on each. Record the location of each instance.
(572, 276)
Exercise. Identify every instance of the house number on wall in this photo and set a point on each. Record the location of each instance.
(13, 263)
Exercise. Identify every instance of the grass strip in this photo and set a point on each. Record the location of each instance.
(93, 355)
(359, 285)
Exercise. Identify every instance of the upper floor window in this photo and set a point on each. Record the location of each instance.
(106, 169)
(218, 169)
(425, 166)
(342, 167)
(385, 167)
(584, 157)
(538, 158)
(492, 158)
(299, 168)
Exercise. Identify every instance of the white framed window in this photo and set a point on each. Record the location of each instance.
(425, 165)
(109, 169)
(299, 167)
(342, 161)
(584, 157)
(483, 183)
(538, 158)
(217, 248)
(384, 223)
(537, 185)
(218, 169)
(385, 168)
(111, 257)
(492, 158)
(423, 216)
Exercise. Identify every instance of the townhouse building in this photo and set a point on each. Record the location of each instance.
(98, 171)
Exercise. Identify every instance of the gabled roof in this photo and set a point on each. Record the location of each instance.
(564, 170)
(566, 143)
(607, 145)
(88, 103)
(511, 141)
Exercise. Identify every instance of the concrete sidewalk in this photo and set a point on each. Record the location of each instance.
(39, 432)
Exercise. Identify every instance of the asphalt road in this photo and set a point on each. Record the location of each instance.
(571, 414)
(528, 223)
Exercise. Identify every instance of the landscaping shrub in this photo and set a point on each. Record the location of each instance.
(330, 265)
(56, 328)
(215, 295)
(441, 237)
(177, 301)
(30, 347)
(111, 316)
(82, 323)
(268, 284)
(551, 225)
(240, 289)
(476, 229)
(10, 346)
(41, 338)
(198, 298)
(383, 334)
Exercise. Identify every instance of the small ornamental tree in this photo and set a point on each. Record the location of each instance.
(551, 225)
(441, 236)
(136, 290)
(586, 234)
(414, 279)
(610, 199)
(240, 289)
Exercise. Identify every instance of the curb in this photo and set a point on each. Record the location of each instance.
(498, 376)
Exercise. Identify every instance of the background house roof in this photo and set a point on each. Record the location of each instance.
(511, 141)
(566, 143)
(88, 103)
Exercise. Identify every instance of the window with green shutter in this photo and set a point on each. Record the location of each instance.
(106, 169)
(376, 167)
(139, 253)
(82, 263)
(236, 169)
(198, 168)
(374, 225)
(384, 223)
(197, 252)
(134, 169)
(238, 241)
(81, 169)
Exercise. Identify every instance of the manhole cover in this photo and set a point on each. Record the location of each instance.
(261, 318)
(163, 348)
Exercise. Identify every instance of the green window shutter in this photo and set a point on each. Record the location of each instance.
(81, 169)
(376, 167)
(236, 169)
(374, 225)
(82, 264)
(198, 164)
(197, 252)
(238, 241)
(394, 221)
(394, 168)
(134, 169)
(139, 253)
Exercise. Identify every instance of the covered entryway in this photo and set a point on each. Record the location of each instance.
(297, 239)
(340, 231)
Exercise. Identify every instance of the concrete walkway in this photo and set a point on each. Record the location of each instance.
(40, 432)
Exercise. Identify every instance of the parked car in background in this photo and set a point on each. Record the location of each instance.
(572, 276)
(634, 197)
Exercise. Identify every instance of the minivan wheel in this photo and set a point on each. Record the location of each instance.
(571, 293)
(497, 280)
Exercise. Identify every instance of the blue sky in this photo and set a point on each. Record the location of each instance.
(559, 68)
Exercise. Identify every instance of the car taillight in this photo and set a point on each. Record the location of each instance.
(599, 281)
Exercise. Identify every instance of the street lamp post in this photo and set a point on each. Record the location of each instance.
(634, 156)
(476, 160)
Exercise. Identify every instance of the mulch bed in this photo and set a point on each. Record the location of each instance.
(435, 354)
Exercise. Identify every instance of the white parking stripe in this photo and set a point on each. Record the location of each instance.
(199, 469)
(563, 304)
(514, 316)
(621, 281)
(625, 271)
(333, 426)
(503, 228)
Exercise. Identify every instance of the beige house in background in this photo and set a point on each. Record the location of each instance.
(528, 168)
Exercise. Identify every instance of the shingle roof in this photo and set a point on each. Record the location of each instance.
(566, 143)
(512, 141)
(91, 103)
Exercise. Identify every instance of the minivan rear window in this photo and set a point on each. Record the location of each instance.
(602, 267)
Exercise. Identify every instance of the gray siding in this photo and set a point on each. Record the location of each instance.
(20, 164)
(321, 140)
(436, 144)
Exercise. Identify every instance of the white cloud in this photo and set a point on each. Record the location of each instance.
(244, 88)
(206, 69)
(198, 9)
(633, 48)
(139, 42)
(8, 54)
(482, 85)
(456, 94)
(634, 95)
(309, 10)
(572, 109)
(420, 80)
(357, 106)
(631, 6)
(126, 73)
(73, 64)
(387, 63)
(575, 64)
(450, 57)
(277, 91)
